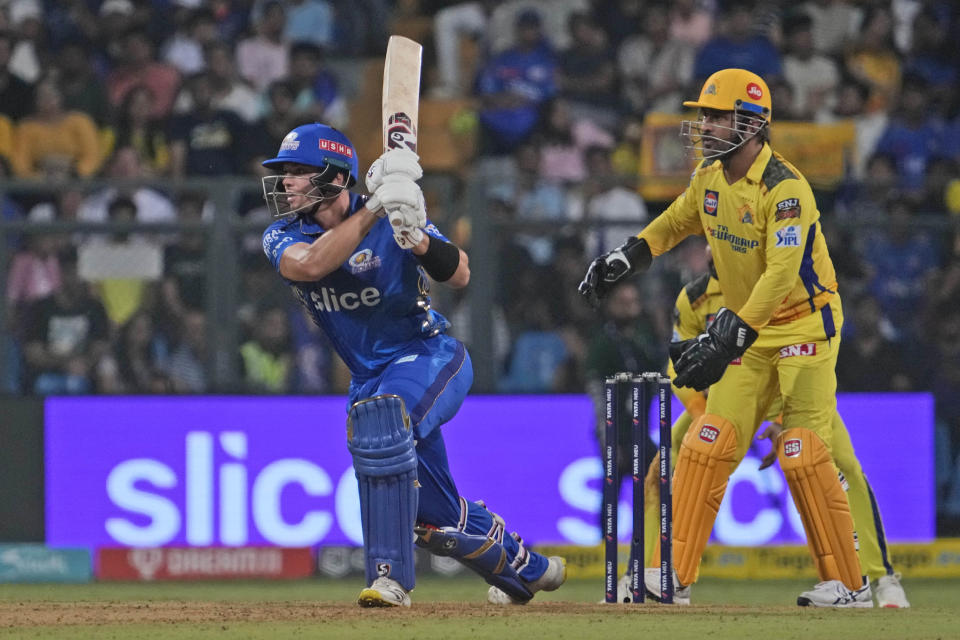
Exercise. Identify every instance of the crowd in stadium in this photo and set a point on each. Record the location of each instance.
(160, 90)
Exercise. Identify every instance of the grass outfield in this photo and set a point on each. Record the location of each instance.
(443, 608)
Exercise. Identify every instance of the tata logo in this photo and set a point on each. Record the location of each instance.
(754, 91)
(710, 201)
(792, 447)
(709, 433)
(788, 236)
(805, 349)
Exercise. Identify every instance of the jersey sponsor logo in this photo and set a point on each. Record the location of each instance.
(788, 236)
(405, 359)
(789, 208)
(709, 433)
(792, 447)
(737, 243)
(290, 143)
(737, 361)
(363, 261)
(327, 299)
(336, 147)
(711, 199)
(804, 349)
(754, 91)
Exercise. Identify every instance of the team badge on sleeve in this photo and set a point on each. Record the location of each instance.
(710, 201)
(789, 208)
(788, 236)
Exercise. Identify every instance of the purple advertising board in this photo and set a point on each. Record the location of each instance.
(201, 471)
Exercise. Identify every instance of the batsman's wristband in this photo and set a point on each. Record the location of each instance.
(440, 260)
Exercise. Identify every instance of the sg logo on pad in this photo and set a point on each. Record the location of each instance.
(709, 433)
(791, 448)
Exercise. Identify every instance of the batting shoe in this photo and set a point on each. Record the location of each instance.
(384, 592)
(890, 593)
(834, 593)
(651, 580)
(552, 578)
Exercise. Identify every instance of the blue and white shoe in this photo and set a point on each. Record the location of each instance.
(552, 578)
(834, 593)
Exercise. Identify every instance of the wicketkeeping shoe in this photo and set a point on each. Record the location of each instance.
(552, 578)
(834, 593)
(384, 592)
(651, 580)
(890, 593)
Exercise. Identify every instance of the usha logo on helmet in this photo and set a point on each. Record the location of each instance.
(336, 147)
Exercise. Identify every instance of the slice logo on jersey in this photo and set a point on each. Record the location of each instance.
(754, 91)
(788, 236)
(363, 261)
(290, 143)
(710, 201)
(804, 349)
(709, 433)
(329, 300)
(789, 208)
(746, 216)
(792, 447)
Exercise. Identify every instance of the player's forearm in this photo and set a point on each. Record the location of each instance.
(670, 227)
(325, 254)
(442, 263)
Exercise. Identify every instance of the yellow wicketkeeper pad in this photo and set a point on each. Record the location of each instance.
(704, 465)
(822, 503)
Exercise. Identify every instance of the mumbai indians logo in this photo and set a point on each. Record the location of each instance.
(401, 132)
(709, 433)
(363, 261)
(290, 143)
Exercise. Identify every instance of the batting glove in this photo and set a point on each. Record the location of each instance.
(406, 237)
(399, 193)
(400, 161)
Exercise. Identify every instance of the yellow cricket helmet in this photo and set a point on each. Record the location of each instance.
(735, 90)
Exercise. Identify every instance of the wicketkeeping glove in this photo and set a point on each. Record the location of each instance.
(633, 255)
(393, 162)
(707, 356)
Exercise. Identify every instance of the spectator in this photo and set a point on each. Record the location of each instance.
(65, 337)
(139, 67)
(835, 24)
(812, 76)
(136, 365)
(266, 359)
(450, 25)
(913, 136)
(607, 198)
(850, 103)
(691, 21)
(318, 96)
(52, 134)
(82, 89)
(933, 58)
(313, 21)
(586, 73)
(870, 359)
(263, 57)
(538, 354)
(140, 138)
(872, 58)
(555, 16)
(186, 366)
(196, 29)
(16, 95)
(563, 137)
(205, 141)
(34, 274)
(655, 68)
(738, 46)
(184, 285)
(512, 87)
(26, 21)
(230, 92)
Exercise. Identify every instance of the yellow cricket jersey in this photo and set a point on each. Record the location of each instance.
(696, 307)
(764, 231)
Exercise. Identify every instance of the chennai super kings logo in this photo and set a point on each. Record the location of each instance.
(401, 132)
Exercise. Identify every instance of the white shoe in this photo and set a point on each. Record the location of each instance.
(651, 580)
(624, 590)
(552, 578)
(890, 593)
(384, 592)
(834, 593)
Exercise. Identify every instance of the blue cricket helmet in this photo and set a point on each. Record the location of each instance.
(318, 145)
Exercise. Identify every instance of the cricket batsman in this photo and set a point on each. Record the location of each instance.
(782, 324)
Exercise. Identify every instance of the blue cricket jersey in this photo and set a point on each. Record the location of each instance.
(374, 307)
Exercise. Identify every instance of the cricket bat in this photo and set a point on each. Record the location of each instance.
(401, 93)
